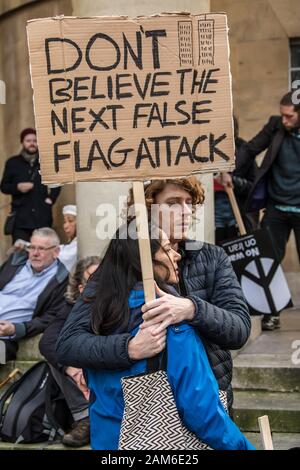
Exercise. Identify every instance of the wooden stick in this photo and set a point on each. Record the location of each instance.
(144, 241)
(236, 210)
(265, 432)
(10, 376)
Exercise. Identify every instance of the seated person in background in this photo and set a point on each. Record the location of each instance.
(70, 379)
(68, 252)
(32, 288)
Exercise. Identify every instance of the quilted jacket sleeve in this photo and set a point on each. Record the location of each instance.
(78, 346)
(225, 319)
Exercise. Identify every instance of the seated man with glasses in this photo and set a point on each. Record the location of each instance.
(32, 288)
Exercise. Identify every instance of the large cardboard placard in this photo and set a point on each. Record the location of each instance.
(131, 99)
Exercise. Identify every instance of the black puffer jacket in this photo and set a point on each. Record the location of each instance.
(221, 318)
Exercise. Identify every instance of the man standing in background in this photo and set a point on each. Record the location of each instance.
(31, 200)
(277, 183)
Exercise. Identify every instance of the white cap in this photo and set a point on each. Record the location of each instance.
(71, 209)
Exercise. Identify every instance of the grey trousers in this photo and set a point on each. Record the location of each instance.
(75, 400)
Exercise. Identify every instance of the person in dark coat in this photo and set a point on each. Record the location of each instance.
(70, 379)
(31, 200)
(277, 184)
(32, 289)
(241, 181)
(210, 298)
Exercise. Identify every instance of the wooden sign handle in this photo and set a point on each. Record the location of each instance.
(236, 210)
(265, 432)
(144, 240)
(10, 377)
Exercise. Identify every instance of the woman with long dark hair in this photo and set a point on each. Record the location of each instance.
(117, 308)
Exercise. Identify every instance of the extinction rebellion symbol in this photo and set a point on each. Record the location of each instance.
(264, 286)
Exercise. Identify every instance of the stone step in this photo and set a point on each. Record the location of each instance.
(28, 354)
(283, 410)
(266, 372)
(271, 362)
(293, 282)
(39, 446)
(29, 349)
(281, 441)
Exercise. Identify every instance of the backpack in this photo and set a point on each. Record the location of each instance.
(33, 409)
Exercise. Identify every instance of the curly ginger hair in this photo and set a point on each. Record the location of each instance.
(190, 184)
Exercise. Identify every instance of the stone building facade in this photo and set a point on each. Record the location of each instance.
(262, 34)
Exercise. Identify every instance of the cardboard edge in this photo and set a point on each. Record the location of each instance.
(124, 17)
(186, 14)
(230, 84)
(127, 178)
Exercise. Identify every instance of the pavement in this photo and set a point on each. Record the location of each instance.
(266, 380)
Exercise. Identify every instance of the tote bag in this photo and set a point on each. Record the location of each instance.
(151, 420)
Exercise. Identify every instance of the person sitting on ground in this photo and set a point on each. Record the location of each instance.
(32, 288)
(68, 251)
(70, 379)
(117, 308)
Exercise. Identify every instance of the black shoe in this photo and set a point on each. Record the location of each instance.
(270, 323)
(79, 435)
(267, 323)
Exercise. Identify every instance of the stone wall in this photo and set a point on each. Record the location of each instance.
(17, 113)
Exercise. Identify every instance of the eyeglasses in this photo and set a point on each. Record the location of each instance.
(40, 248)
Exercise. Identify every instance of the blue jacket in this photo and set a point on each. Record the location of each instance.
(193, 384)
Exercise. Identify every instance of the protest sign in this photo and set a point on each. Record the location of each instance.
(117, 98)
(259, 273)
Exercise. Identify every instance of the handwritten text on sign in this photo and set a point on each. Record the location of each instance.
(131, 99)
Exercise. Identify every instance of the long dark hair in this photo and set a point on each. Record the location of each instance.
(116, 276)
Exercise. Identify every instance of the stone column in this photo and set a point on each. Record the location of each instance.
(90, 195)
